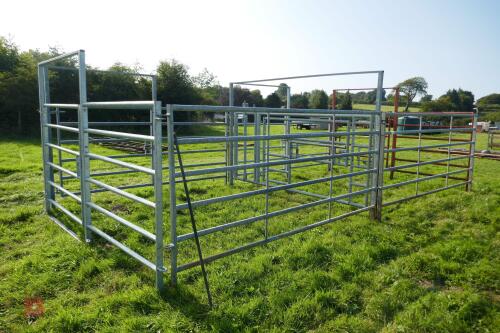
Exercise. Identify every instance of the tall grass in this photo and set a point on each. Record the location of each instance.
(432, 265)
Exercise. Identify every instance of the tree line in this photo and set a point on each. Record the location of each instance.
(19, 90)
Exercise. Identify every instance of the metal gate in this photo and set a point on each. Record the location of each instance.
(255, 174)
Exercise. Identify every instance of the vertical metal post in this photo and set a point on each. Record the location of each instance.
(348, 142)
(265, 151)
(394, 131)
(152, 115)
(288, 148)
(256, 147)
(330, 165)
(226, 145)
(371, 159)
(245, 133)
(49, 133)
(472, 150)
(419, 153)
(380, 180)
(236, 143)
(351, 150)
(173, 201)
(158, 191)
(83, 124)
(449, 150)
(266, 232)
(376, 212)
(45, 132)
(59, 152)
(231, 133)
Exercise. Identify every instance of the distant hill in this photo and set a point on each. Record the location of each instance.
(489, 107)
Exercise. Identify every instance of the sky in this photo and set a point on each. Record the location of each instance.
(452, 44)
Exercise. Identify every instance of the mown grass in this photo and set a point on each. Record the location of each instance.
(432, 265)
(388, 108)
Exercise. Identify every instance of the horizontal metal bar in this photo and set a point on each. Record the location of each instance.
(121, 134)
(309, 76)
(269, 239)
(59, 57)
(412, 181)
(64, 128)
(140, 105)
(190, 123)
(123, 247)
(66, 150)
(150, 184)
(270, 215)
(313, 194)
(212, 139)
(271, 111)
(421, 173)
(206, 202)
(429, 146)
(405, 166)
(109, 123)
(424, 193)
(63, 227)
(357, 89)
(442, 130)
(94, 140)
(113, 156)
(440, 114)
(437, 163)
(199, 151)
(74, 69)
(260, 85)
(122, 163)
(121, 220)
(65, 191)
(435, 138)
(61, 106)
(109, 173)
(66, 211)
(57, 167)
(197, 165)
(273, 163)
(277, 170)
(119, 187)
(122, 193)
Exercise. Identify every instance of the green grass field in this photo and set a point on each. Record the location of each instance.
(387, 108)
(432, 265)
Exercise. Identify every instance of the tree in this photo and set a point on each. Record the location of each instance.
(459, 100)
(9, 55)
(345, 102)
(299, 101)
(205, 79)
(282, 92)
(256, 98)
(174, 83)
(175, 86)
(411, 88)
(439, 105)
(273, 101)
(426, 98)
(371, 96)
(318, 99)
(489, 99)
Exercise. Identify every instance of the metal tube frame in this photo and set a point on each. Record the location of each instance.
(356, 153)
